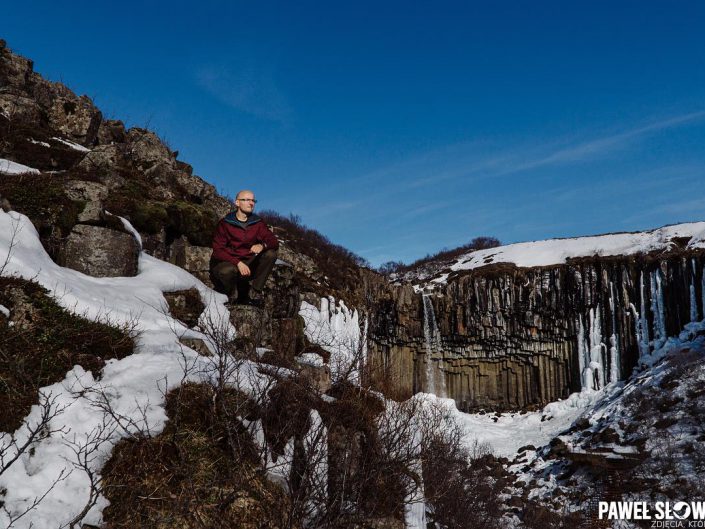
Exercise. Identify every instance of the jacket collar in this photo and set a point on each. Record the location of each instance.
(230, 218)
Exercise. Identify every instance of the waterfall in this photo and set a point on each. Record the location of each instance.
(615, 360)
(643, 335)
(433, 346)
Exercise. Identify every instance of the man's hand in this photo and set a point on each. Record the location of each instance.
(244, 269)
(257, 249)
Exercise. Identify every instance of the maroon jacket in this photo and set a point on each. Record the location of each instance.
(233, 239)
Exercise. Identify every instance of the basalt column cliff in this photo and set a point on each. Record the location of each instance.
(505, 337)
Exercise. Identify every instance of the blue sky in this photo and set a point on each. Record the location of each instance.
(400, 128)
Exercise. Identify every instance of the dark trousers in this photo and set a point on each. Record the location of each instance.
(227, 279)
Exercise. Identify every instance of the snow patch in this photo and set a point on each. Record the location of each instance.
(10, 167)
(507, 432)
(73, 145)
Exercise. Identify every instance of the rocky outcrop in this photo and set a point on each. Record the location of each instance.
(100, 164)
(31, 100)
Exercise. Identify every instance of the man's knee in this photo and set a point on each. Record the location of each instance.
(225, 271)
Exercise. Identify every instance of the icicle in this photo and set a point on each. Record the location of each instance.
(657, 309)
(643, 323)
(702, 290)
(433, 345)
(638, 331)
(693, 303)
(597, 362)
(584, 359)
(365, 352)
(615, 360)
(316, 447)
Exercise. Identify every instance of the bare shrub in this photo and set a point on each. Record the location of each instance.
(463, 485)
(478, 243)
(188, 476)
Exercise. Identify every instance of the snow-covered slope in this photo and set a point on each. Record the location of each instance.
(556, 251)
(134, 385)
(642, 439)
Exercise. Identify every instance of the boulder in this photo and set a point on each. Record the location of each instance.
(288, 336)
(100, 252)
(301, 263)
(155, 245)
(107, 157)
(198, 189)
(185, 305)
(282, 291)
(197, 345)
(253, 326)
(92, 213)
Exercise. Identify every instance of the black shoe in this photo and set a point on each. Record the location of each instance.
(252, 302)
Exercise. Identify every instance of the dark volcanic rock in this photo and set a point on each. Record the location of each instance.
(509, 338)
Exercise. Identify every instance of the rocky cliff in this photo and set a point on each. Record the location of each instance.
(503, 336)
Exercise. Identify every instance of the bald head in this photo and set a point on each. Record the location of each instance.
(245, 202)
(244, 193)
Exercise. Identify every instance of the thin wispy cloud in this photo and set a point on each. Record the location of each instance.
(250, 88)
(468, 161)
(599, 147)
(396, 187)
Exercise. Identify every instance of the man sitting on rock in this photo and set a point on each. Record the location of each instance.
(244, 252)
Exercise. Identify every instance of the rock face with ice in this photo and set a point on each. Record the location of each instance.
(506, 336)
